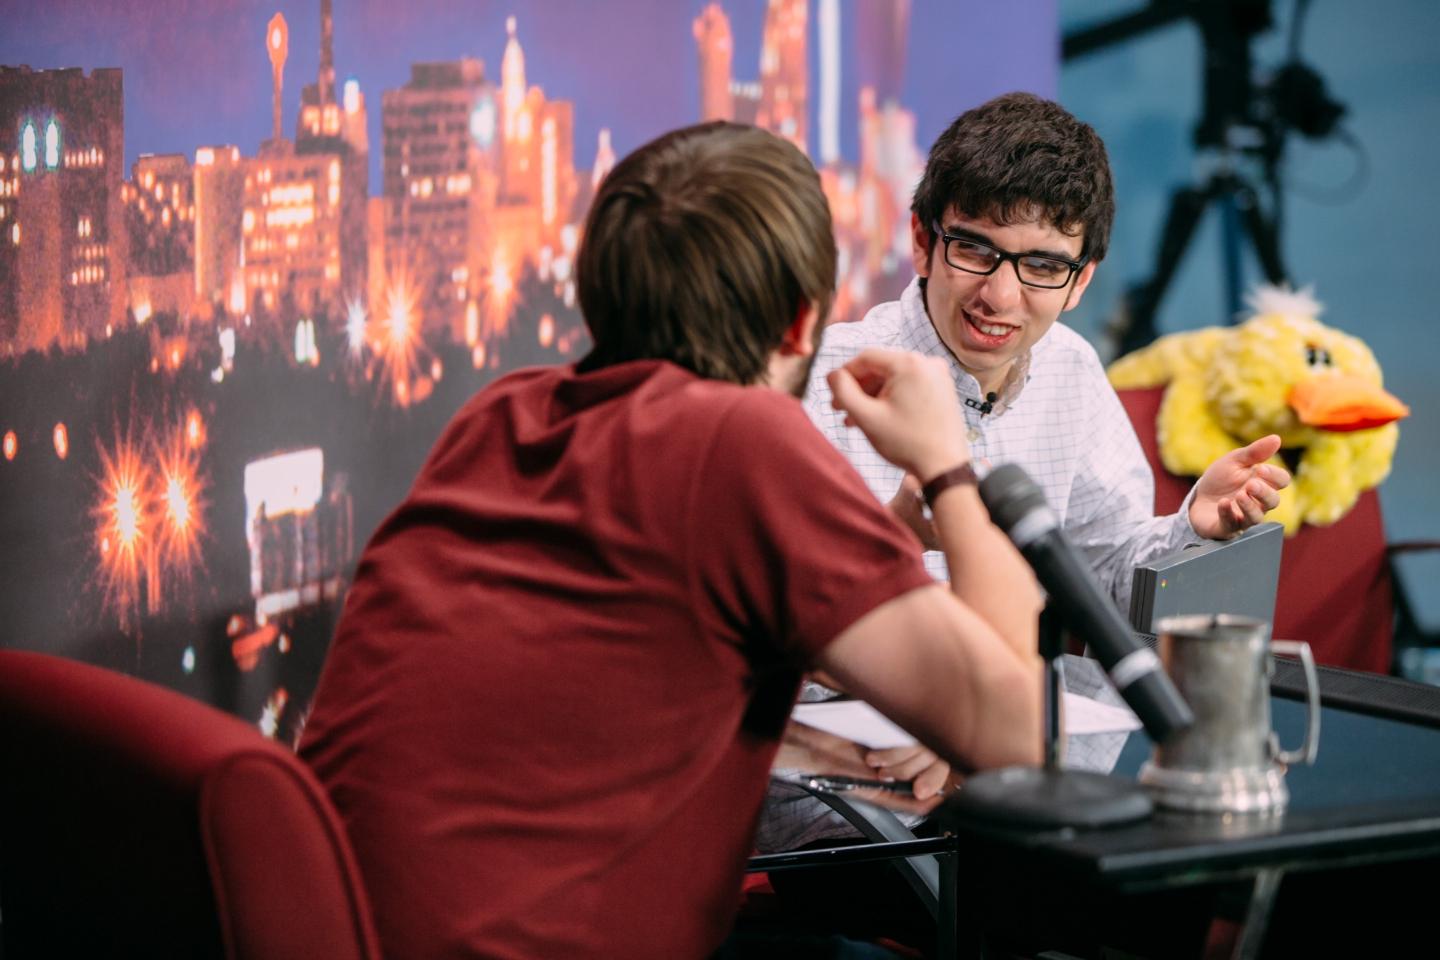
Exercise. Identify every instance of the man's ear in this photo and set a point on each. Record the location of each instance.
(1078, 289)
(799, 338)
(922, 244)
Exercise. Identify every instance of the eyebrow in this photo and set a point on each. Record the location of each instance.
(963, 234)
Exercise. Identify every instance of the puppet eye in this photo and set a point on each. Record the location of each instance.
(1317, 356)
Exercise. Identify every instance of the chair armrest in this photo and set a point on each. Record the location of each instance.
(880, 826)
(1410, 546)
(1409, 632)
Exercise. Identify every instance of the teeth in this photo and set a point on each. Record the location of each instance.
(992, 329)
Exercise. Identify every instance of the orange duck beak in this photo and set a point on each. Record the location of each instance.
(1342, 403)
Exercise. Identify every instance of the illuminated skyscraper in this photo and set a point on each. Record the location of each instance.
(829, 81)
(887, 144)
(512, 79)
(745, 98)
(219, 210)
(557, 161)
(712, 38)
(327, 52)
(62, 235)
(441, 142)
(527, 177)
(479, 183)
(882, 29)
(783, 71)
(336, 127)
(160, 228)
(538, 186)
(604, 159)
(160, 215)
(319, 109)
(291, 229)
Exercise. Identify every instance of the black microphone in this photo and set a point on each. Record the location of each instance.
(989, 403)
(1018, 506)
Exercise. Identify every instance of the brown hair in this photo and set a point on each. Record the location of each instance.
(1019, 158)
(701, 248)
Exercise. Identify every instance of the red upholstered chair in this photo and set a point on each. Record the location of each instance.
(1336, 589)
(135, 821)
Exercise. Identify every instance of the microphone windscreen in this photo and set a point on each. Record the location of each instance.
(1009, 494)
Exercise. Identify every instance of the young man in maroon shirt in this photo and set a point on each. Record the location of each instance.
(552, 702)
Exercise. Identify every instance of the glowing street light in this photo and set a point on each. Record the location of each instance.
(194, 430)
(355, 320)
(396, 349)
(180, 490)
(61, 438)
(177, 503)
(125, 508)
(500, 288)
(398, 319)
(123, 529)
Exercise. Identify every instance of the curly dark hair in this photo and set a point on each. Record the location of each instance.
(1020, 158)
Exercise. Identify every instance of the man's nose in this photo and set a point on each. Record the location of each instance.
(1002, 289)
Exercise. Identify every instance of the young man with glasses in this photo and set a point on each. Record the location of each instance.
(1009, 223)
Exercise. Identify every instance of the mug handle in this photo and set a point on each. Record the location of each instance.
(1308, 750)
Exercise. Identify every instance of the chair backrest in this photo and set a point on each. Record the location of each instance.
(135, 821)
(1335, 588)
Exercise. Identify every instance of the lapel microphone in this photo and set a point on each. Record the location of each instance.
(989, 403)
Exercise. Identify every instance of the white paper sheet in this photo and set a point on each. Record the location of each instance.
(857, 720)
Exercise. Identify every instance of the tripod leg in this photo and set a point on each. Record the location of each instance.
(1143, 301)
(1263, 235)
(1230, 206)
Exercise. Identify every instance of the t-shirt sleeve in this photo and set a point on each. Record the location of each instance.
(788, 547)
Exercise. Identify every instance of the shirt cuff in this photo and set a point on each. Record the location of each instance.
(1184, 532)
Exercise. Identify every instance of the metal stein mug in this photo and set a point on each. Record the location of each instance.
(1230, 760)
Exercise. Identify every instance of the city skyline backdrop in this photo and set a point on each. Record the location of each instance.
(227, 343)
(629, 66)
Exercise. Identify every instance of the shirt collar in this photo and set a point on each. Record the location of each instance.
(919, 333)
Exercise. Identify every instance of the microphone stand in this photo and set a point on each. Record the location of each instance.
(1049, 796)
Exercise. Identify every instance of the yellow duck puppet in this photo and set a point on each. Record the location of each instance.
(1283, 372)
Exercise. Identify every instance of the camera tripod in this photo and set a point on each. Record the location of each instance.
(1241, 210)
(1239, 120)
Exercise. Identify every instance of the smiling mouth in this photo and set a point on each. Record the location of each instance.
(992, 332)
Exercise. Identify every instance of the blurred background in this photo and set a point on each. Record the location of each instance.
(1357, 199)
(253, 256)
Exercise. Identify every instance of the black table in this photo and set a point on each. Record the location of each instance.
(1354, 858)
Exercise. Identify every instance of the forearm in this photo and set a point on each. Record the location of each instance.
(987, 573)
(935, 667)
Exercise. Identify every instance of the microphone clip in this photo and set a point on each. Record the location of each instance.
(984, 406)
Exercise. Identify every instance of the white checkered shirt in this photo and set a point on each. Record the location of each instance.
(1058, 417)
(1061, 421)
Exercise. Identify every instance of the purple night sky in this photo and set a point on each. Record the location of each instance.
(196, 72)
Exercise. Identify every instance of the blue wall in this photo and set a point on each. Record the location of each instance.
(1369, 249)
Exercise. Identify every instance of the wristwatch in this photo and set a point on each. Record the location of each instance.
(965, 473)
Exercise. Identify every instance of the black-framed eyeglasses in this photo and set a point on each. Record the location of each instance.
(1032, 269)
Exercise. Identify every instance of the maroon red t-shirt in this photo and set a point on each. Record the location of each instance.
(553, 698)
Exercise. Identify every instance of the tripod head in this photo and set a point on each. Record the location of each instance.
(1242, 115)
(1237, 113)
